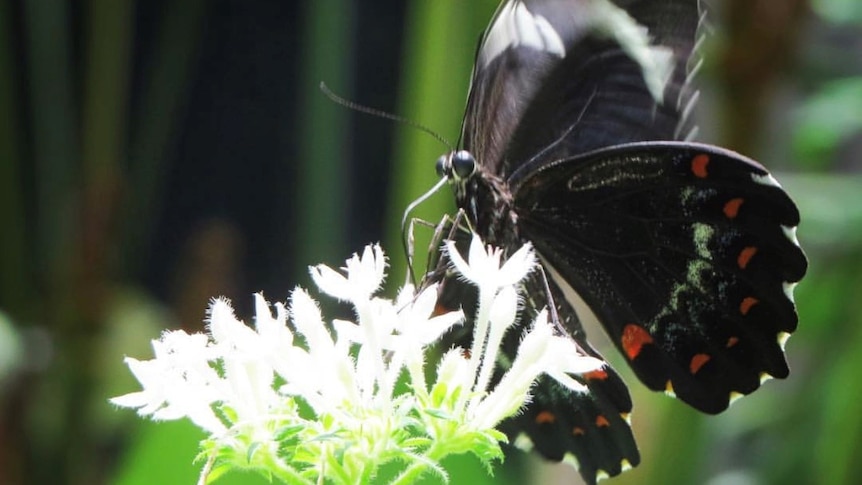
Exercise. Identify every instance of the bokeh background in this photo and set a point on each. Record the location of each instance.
(156, 153)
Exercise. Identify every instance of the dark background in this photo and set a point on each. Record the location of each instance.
(155, 154)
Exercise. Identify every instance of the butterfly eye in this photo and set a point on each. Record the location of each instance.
(440, 167)
(463, 164)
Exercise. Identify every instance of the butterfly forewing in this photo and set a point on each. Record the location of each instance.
(555, 78)
(684, 252)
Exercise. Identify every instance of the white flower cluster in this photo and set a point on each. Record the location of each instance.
(251, 388)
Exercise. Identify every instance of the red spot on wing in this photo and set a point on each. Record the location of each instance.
(745, 256)
(578, 431)
(747, 303)
(731, 208)
(697, 362)
(440, 309)
(602, 422)
(699, 164)
(596, 375)
(633, 339)
(545, 417)
(732, 341)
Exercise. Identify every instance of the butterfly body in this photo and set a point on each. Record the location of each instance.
(576, 140)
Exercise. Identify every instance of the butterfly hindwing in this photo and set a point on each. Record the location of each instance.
(686, 253)
(591, 430)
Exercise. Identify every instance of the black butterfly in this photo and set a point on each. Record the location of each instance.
(685, 252)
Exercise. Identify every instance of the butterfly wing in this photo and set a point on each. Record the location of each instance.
(555, 78)
(590, 430)
(686, 253)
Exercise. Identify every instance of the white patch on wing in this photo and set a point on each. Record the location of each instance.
(788, 290)
(515, 26)
(571, 460)
(766, 179)
(656, 61)
(523, 442)
(790, 232)
(782, 339)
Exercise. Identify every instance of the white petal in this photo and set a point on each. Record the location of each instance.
(535, 344)
(308, 321)
(454, 370)
(517, 266)
(251, 382)
(505, 308)
(435, 327)
(330, 282)
(276, 339)
(177, 344)
(567, 381)
(366, 273)
(425, 302)
(132, 400)
(379, 265)
(481, 259)
(573, 362)
(227, 330)
(407, 294)
(458, 262)
(349, 331)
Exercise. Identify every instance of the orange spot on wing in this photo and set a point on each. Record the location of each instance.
(578, 431)
(732, 341)
(745, 256)
(699, 164)
(602, 422)
(698, 361)
(440, 309)
(731, 208)
(545, 417)
(747, 303)
(633, 339)
(596, 375)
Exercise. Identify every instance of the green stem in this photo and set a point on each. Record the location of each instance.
(480, 336)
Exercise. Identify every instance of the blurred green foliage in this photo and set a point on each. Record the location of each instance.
(826, 120)
(76, 207)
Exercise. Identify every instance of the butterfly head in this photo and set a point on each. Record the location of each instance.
(457, 166)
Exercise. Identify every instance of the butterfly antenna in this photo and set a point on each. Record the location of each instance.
(382, 114)
(398, 119)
